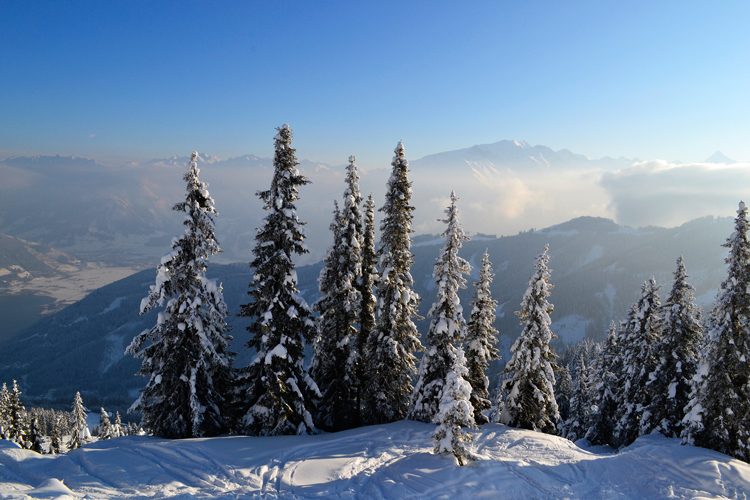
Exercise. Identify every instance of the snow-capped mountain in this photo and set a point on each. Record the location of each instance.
(719, 157)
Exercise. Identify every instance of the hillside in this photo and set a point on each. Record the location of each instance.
(597, 269)
(392, 461)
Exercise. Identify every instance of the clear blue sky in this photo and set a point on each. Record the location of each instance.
(138, 80)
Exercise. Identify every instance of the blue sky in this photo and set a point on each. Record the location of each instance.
(137, 80)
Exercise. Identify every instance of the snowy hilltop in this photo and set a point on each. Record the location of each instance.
(383, 461)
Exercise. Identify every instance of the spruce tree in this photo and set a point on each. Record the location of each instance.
(530, 401)
(4, 426)
(35, 440)
(677, 358)
(57, 444)
(480, 339)
(275, 390)
(563, 393)
(447, 325)
(16, 421)
(367, 304)
(580, 404)
(80, 429)
(118, 430)
(641, 334)
(185, 355)
(455, 413)
(105, 426)
(717, 415)
(395, 338)
(603, 419)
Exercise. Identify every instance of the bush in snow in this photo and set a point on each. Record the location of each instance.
(391, 345)
(455, 413)
(480, 339)
(717, 415)
(275, 390)
(447, 327)
(185, 355)
(530, 397)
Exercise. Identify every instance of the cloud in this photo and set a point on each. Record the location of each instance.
(91, 136)
(660, 193)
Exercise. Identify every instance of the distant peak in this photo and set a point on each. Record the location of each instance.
(718, 157)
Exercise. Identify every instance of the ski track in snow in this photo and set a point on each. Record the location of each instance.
(382, 462)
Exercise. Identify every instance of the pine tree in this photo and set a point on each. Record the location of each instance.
(717, 415)
(563, 393)
(35, 440)
(395, 338)
(118, 430)
(276, 390)
(4, 425)
(447, 325)
(80, 429)
(105, 426)
(641, 334)
(17, 427)
(677, 358)
(480, 340)
(185, 355)
(455, 413)
(367, 303)
(603, 419)
(580, 404)
(57, 445)
(530, 401)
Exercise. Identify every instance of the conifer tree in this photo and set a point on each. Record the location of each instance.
(455, 413)
(677, 358)
(447, 325)
(80, 429)
(640, 336)
(603, 420)
(580, 404)
(4, 404)
(276, 391)
(563, 393)
(57, 444)
(118, 430)
(35, 440)
(367, 304)
(480, 339)
(185, 355)
(105, 426)
(530, 401)
(395, 338)
(335, 365)
(17, 427)
(717, 415)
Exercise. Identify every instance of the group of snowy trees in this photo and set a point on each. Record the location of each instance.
(658, 372)
(644, 377)
(50, 431)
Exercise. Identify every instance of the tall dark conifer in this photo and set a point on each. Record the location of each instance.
(185, 355)
(275, 390)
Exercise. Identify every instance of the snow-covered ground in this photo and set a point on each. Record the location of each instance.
(387, 461)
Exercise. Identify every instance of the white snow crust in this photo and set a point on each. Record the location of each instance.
(386, 461)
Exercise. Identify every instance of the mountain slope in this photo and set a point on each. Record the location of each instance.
(391, 461)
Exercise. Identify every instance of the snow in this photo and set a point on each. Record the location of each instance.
(571, 329)
(596, 252)
(114, 305)
(386, 461)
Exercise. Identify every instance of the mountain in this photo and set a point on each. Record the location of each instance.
(516, 155)
(378, 461)
(718, 157)
(597, 267)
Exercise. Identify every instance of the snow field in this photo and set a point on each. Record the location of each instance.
(391, 461)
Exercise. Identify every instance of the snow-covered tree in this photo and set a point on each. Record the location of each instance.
(480, 339)
(335, 364)
(391, 345)
(117, 429)
(81, 433)
(447, 326)
(530, 395)
(185, 355)
(676, 355)
(57, 444)
(580, 404)
(563, 393)
(35, 441)
(275, 390)
(638, 340)
(455, 413)
(368, 301)
(4, 428)
(105, 426)
(603, 418)
(717, 415)
(17, 429)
